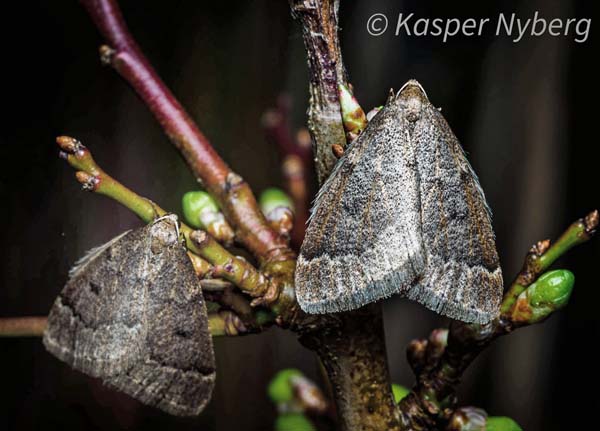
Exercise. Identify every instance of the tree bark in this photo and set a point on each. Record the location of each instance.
(354, 356)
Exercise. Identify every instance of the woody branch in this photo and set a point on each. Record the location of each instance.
(351, 347)
(319, 21)
(228, 188)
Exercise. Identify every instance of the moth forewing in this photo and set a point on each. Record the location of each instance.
(363, 241)
(463, 279)
(402, 212)
(133, 314)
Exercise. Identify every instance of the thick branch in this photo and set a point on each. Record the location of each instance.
(352, 349)
(232, 193)
(319, 21)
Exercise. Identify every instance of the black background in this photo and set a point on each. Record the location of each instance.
(525, 112)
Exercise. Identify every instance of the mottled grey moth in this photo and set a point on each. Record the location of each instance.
(132, 314)
(402, 212)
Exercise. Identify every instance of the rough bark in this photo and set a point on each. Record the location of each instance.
(353, 353)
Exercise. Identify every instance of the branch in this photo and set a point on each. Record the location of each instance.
(219, 324)
(541, 256)
(297, 163)
(245, 318)
(440, 361)
(319, 21)
(233, 194)
(22, 326)
(225, 265)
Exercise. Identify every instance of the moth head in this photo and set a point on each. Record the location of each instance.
(164, 232)
(412, 99)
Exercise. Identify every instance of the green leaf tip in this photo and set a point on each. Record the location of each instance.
(550, 292)
(399, 392)
(272, 198)
(195, 204)
(293, 422)
(353, 116)
(280, 388)
(501, 423)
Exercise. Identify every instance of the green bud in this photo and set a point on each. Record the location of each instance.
(501, 423)
(272, 198)
(373, 112)
(399, 392)
(195, 204)
(550, 292)
(280, 388)
(263, 317)
(293, 422)
(353, 116)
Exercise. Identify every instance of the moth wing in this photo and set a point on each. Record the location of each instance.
(463, 279)
(363, 241)
(177, 370)
(93, 325)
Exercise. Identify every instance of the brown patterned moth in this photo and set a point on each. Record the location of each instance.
(132, 314)
(402, 213)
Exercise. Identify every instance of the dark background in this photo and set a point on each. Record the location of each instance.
(526, 113)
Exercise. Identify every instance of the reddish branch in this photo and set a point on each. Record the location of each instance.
(232, 193)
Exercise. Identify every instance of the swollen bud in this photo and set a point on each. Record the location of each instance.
(278, 209)
(468, 419)
(202, 212)
(373, 112)
(353, 116)
(272, 198)
(280, 387)
(501, 423)
(550, 292)
(293, 422)
(399, 392)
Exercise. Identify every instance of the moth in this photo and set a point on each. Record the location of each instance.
(132, 314)
(402, 213)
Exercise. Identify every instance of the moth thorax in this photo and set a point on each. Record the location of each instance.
(412, 99)
(163, 235)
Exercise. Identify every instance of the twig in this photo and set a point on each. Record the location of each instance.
(541, 256)
(222, 323)
(296, 156)
(22, 326)
(319, 21)
(433, 400)
(225, 265)
(233, 194)
(252, 319)
(225, 323)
